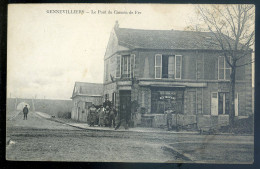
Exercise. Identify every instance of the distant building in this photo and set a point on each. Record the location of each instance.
(183, 70)
(84, 95)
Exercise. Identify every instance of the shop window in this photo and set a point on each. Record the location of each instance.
(162, 99)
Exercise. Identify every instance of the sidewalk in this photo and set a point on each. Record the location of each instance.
(85, 126)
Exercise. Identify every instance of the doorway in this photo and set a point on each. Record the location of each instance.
(125, 104)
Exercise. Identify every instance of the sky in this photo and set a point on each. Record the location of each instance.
(49, 52)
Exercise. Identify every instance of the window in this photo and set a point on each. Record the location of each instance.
(171, 67)
(223, 103)
(87, 105)
(224, 69)
(178, 65)
(126, 66)
(158, 66)
(168, 66)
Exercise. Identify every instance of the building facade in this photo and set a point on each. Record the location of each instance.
(182, 70)
(83, 96)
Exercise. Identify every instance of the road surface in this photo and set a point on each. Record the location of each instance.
(39, 139)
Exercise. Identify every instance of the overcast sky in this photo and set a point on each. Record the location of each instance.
(47, 53)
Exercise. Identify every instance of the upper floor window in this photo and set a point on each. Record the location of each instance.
(125, 66)
(168, 66)
(224, 69)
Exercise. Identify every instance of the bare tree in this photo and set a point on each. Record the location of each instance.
(233, 29)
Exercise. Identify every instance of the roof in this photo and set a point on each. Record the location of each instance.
(166, 39)
(87, 89)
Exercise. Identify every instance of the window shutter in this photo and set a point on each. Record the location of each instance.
(214, 104)
(118, 66)
(132, 67)
(178, 65)
(236, 105)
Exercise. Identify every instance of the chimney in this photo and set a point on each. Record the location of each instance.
(116, 25)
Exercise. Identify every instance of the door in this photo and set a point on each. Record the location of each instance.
(125, 104)
(214, 104)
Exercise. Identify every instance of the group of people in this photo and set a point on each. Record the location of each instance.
(102, 116)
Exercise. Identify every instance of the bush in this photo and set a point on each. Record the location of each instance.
(65, 115)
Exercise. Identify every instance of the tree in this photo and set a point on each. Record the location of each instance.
(232, 27)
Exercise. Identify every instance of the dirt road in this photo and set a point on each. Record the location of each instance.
(38, 139)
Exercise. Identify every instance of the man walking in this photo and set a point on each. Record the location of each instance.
(25, 112)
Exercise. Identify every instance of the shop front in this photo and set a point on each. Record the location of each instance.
(167, 97)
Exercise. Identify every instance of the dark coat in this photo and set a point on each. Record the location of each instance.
(25, 110)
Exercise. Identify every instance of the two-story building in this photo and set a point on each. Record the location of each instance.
(183, 70)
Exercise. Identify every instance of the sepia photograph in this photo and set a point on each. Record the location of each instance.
(142, 83)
